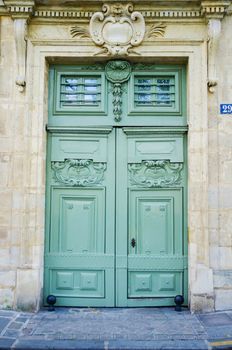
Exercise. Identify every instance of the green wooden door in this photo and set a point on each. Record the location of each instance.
(151, 261)
(116, 194)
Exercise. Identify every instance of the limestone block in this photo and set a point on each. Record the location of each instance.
(6, 199)
(223, 299)
(8, 59)
(202, 303)
(213, 219)
(21, 120)
(214, 236)
(225, 220)
(4, 231)
(18, 200)
(213, 169)
(4, 171)
(28, 289)
(15, 235)
(197, 198)
(20, 144)
(195, 168)
(203, 283)
(225, 237)
(4, 256)
(197, 219)
(6, 79)
(15, 256)
(213, 197)
(37, 252)
(7, 27)
(17, 219)
(195, 141)
(223, 279)
(226, 172)
(18, 168)
(6, 298)
(5, 216)
(225, 197)
(5, 144)
(221, 257)
(7, 279)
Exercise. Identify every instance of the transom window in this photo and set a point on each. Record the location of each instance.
(154, 91)
(80, 90)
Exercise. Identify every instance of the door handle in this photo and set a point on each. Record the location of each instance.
(133, 242)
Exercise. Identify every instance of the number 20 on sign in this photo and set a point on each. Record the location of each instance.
(226, 108)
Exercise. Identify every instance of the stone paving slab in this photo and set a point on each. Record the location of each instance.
(89, 328)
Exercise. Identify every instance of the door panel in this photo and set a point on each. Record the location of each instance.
(78, 208)
(150, 211)
(80, 252)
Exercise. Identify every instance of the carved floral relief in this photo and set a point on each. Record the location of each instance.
(118, 29)
(155, 173)
(78, 172)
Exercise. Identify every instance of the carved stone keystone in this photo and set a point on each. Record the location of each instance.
(118, 29)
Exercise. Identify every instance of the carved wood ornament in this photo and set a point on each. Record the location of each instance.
(118, 30)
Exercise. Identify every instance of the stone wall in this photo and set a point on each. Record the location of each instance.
(23, 157)
(20, 186)
(220, 174)
(11, 164)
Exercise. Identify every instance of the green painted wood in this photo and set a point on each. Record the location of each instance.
(107, 186)
(150, 210)
(145, 94)
(79, 257)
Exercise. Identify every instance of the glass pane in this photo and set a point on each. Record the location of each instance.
(144, 98)
(163, 85)
(80, 91)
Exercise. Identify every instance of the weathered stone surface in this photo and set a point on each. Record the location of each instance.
(23, 151)
(223, 299)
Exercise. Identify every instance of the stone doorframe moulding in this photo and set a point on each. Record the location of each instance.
(130, 23)
(200, 292)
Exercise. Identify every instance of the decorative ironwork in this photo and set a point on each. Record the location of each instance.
(155, 173)
(78, 172)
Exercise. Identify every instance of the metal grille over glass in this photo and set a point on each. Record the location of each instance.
(154, 91)
(80, 90)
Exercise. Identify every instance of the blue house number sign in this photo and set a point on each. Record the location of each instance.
(226, 108)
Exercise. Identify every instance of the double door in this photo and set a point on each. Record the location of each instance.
(116, 216)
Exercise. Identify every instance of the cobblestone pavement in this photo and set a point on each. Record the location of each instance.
(88, 328)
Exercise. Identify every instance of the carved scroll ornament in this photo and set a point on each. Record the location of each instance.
(118, 29)
(20, 32)
(78, 172)
(155, 173)
(214, 31)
